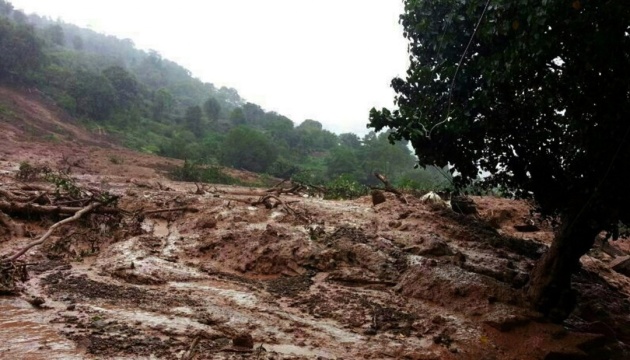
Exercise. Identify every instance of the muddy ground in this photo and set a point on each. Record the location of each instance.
(328, 280)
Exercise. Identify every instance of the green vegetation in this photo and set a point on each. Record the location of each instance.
(194, 172)
(154, 105)
(536, 96)
(345, 187)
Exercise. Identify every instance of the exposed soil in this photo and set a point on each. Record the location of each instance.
(232, 281)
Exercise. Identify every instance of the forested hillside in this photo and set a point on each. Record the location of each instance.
(155, 105)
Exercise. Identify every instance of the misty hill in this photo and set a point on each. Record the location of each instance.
(154, 105)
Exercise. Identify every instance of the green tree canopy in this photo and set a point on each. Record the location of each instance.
(125, 84)
(248, 149)
(343, 160)
(95, 96)
(55, 34)
(237, 117)
(350, 140)
(536, 95)
(21, 51)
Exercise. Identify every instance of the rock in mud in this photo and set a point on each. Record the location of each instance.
(36, 301)
(206, 223)
(245, 341)
(463, 205)
(431, 247)
(378, 197)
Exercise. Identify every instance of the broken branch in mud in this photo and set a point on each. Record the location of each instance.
(183, 208)
(192, 350)
(43, 238)
(266, 200)
(296, 189)
(389, 188)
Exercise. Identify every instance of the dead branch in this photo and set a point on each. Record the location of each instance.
(9, 195)
(389, 188)
(245, 201)
(41, 240)
(13, 208)
(183, 208)
(33, 187)
(191, 350)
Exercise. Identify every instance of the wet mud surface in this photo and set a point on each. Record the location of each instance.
(235, 281)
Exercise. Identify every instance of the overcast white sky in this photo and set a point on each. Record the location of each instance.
(328, 60)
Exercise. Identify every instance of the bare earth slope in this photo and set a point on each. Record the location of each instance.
(335, 280)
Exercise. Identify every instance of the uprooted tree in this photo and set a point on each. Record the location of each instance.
(535, 94)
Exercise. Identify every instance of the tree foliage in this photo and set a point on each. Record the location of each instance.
(212, 109)
(21, 51)
(193, 120)
(248, 149)
(537, 97)
(155, 105)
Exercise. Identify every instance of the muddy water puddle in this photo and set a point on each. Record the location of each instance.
(27, 334)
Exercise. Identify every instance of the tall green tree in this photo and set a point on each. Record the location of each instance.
(162, 103)
(248, 149)
(125, 84)
(254, 114)
(94, 95)
(21, 51)
(55, 34)
(237, 117)
(212, 108)
(343, 161)
(350, 140)
(193, 120)
(535, 94)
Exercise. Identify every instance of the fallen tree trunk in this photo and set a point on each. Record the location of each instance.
(14, 208)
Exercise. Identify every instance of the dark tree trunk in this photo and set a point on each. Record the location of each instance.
(549, 288)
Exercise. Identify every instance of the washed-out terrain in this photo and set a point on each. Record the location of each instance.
(316, 279)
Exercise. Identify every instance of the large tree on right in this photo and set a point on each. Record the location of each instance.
(534, 95)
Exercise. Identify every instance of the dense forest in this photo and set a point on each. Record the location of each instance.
(154, 105)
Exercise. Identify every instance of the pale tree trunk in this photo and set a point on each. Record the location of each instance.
(549, 288)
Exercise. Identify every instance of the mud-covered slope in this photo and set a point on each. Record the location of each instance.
(328, 279)
(355, 281)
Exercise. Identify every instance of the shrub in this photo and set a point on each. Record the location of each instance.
(345, 187)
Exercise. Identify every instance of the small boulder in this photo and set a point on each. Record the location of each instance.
(431, 247)
(378, 197)
(245, 341)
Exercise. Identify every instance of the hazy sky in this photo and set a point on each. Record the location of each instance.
(328, 60)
